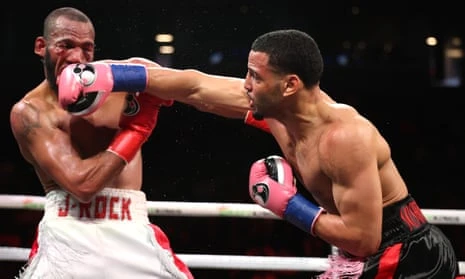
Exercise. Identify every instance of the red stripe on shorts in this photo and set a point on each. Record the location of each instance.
(388, 262)
(164, 242)
(35, 245)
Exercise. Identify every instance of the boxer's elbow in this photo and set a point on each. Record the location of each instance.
(84, 189)
(366, 250)
(365, 246)
(84, 194)
(84, 198)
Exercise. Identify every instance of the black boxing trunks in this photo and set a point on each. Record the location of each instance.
(410, 248)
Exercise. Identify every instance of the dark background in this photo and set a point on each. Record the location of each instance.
(194, 156)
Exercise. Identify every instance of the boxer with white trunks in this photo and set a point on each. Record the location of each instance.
(108, 237)
(95, 222)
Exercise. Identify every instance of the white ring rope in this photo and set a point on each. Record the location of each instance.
(213, 209)
(222, 261)
(214, 261)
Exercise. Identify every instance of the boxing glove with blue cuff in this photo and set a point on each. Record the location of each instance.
(273, 186)
(82, 88)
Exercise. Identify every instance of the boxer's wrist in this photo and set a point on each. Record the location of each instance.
(302, 213)
(129, 77)
(260, 124)
(126, 144)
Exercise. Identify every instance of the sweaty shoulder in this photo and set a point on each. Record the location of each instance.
(349, 134)
(35, 109)
(345, 130)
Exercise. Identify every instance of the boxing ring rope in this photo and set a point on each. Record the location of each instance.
(216, 209)
(214, 261)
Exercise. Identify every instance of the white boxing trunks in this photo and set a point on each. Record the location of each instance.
(109, 237)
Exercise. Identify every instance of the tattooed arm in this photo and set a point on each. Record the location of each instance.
(43, 133)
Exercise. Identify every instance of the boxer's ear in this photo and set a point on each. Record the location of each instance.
(292, 84)
(39, 46)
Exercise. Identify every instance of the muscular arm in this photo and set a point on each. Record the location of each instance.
(221, 95)
(49, 149)
(224, 96)
(135, 60)
(348, 157)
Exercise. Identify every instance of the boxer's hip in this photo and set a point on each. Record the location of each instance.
(109, 205)
(110, 237)
(410, 246)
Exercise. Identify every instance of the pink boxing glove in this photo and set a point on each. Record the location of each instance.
(272, 185)
(82, 88)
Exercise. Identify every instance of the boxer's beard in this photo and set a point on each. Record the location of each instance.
(257, 115)
(50, 70)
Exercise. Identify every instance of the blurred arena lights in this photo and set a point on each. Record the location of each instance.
(164, 38)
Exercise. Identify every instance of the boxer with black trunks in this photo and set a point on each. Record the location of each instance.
(406, 238)
(95, 222)
(364, 207)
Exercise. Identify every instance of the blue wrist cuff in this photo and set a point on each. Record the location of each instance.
(130, 78)
(301, 212)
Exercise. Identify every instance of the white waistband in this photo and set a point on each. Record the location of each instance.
(110, 204)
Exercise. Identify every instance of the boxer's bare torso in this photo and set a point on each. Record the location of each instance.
(51, 139)
(308, 152)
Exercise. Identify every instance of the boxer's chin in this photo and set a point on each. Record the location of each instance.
(257, 115)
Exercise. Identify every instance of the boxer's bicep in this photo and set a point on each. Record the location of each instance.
(40, 141)
(226, 92)
(224, 96)
(221, 95)
(348, 157)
